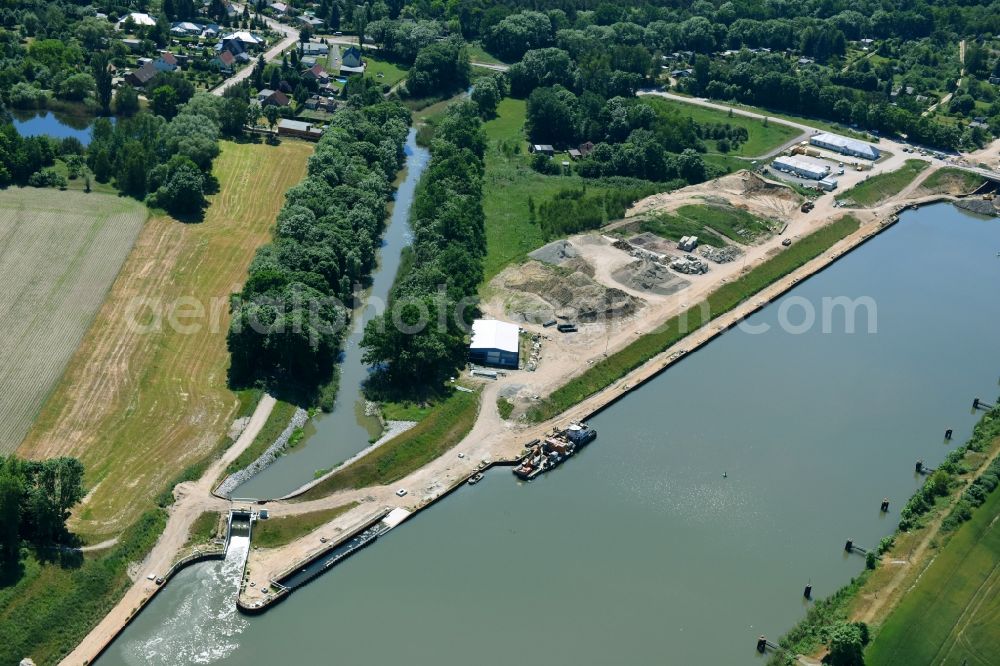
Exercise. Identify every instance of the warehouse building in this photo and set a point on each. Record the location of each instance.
(845, 146)
(801, 167)
(494, 343)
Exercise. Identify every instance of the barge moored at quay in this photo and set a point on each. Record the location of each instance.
(550, 452)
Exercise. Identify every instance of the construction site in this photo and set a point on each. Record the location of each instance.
(579, 296)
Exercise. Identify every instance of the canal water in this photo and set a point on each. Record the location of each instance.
(710, 498)
(54, 124)
(201, 624)
(333, 438)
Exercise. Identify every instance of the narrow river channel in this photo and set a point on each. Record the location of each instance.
(335, 437)
(691, 525)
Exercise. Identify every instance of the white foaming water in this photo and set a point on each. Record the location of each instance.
(204, 626)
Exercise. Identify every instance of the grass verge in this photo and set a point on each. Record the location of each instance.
(879, 188)
(53, 605)
(612, 368)
(949, 180)
(204, 529)
(275, 532)
(276, 422)
(443, 428)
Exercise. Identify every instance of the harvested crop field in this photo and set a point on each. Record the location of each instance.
(140, 404)
(59, 254)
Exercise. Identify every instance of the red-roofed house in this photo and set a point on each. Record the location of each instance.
(166, 62)
(225, 61)
(317, 73)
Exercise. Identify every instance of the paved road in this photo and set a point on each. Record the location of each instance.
(291, 37)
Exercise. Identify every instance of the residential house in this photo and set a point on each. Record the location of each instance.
(225, 61)
(317, 73)
(245, 38)
(166, 62)
(682, 73)
(268, 97)
(133, 44)
(140, 19)
(279, 8)
(575, 154)
(186, 29)
(142, 76)
(351, 62)
(320, 103)
(586, 148)
(300, 129)
(310, 22)
(315, 49)
(543, 148)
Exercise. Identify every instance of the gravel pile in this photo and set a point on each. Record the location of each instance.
(720, 255)
(555, 253)
(236, 478)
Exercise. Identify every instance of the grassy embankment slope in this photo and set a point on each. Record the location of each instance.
(442, 428)
(59, 255)
(879, 188)
(949, 180)
(140, 403)
(952, 616)
(612, 368)
(276, 423)
(275, 532)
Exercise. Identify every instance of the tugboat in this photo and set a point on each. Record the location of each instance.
(554, 450)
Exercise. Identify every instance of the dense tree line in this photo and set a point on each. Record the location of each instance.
(288, 320)
(168, 160)
(421, 340)
(638, 138)
(576, 209)
(440, 69)
(35, 499)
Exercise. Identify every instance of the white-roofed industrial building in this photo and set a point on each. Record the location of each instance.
(494, 343)
(800, 167)
(845, 146)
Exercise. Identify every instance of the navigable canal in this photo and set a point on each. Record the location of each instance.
(639, 550)
(333, 438)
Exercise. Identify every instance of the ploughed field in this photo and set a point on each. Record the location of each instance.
(143, 398)
(59, 254)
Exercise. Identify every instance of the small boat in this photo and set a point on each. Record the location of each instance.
(475, 478)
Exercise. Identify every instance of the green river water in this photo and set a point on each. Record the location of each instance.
(638, 550)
